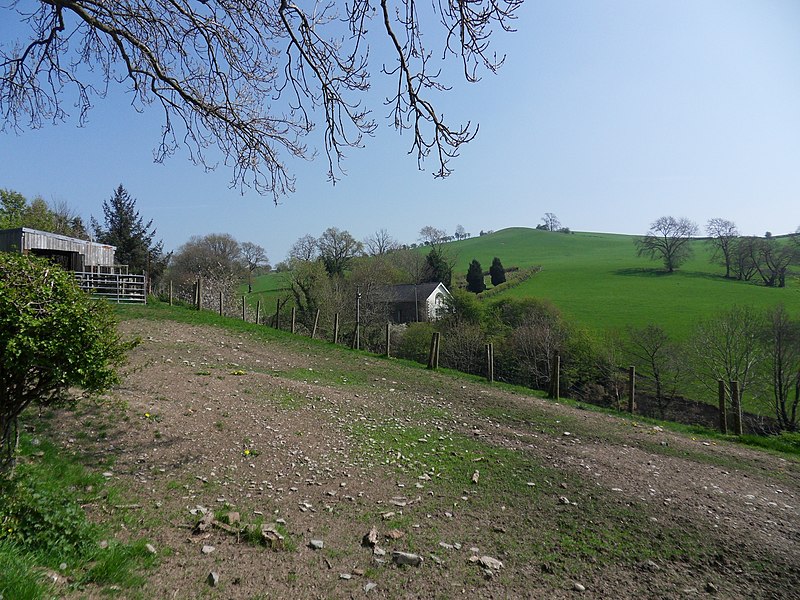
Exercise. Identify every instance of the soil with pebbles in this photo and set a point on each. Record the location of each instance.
(216, 421)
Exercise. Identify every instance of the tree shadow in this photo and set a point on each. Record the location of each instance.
(642, 272)
(660, 272)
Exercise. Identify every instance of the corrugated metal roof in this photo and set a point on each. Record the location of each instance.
(24, 239)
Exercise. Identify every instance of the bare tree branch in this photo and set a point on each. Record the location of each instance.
(246, 77)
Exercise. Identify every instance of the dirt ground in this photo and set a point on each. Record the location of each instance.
(209, 421)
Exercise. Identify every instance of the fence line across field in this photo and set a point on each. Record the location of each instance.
(312, 327)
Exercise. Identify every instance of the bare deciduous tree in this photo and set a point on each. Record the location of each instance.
(657, 358)
(432, 236)
(304, 249)
(66, 220)
(771, 259)
(668, 241)
(550, 222)
(462, 348)
(248, 77)
(723, 235)
(380, 243)
(743, 263)
(216, 258)
(254, 257)
(783, 360)
(412, 265)
(727, 347)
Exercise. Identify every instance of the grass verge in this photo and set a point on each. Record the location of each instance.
(47, 541)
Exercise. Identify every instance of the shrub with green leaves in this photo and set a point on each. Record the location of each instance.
(53, 336)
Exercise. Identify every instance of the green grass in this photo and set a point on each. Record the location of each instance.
(599, 530)
(341, 370)
(44, 527)
(268, 288)
(599, 282)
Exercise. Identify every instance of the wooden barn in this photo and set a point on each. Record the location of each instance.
(72, 254)
(92, 263)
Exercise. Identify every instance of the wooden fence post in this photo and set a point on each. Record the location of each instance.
(631, 389)
(244, 310)
(490, 362)
(200, 293)
(278, 315)
(388, 340)
(723, 411)
(336, 328)
(221, 304)
(555, 378)
(736, 405)
(357, 337)
(258, 310)
(294, 319)
(170, 292)
(433, 355)
(316, 323)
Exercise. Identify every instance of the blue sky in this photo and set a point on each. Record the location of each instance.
(609, 114)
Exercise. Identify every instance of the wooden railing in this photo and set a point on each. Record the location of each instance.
(114, 287)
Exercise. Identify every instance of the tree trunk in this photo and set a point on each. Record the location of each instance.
(9, 430)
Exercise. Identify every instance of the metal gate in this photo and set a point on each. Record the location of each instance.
(114, 287)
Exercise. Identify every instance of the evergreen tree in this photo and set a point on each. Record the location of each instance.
(497, 272)
(437, 267)
(475, 277)
(134, 239)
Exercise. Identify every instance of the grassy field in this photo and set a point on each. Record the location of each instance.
(267, 288)
(598, 281)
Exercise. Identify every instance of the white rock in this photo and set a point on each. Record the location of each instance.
(406, 558)
(491, 563)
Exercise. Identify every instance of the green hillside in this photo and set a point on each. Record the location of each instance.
(598, 281)
(267, 288)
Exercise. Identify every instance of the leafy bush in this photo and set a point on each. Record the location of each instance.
(52, 336)
(38, 511)
(415, 342)
(43, 524)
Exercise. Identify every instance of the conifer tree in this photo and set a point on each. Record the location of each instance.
(437, 267)
(497, 272)
(475, 277)
(124, 228)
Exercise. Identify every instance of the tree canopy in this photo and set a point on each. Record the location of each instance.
(438, 267)
(52, 336)
(475, 281)
(337, 249)
(134, 239)
(497, 272)
(58, 217)
(668, 241)
(251, 78)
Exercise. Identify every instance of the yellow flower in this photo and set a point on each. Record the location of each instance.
(147, 415)
(246, 452)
